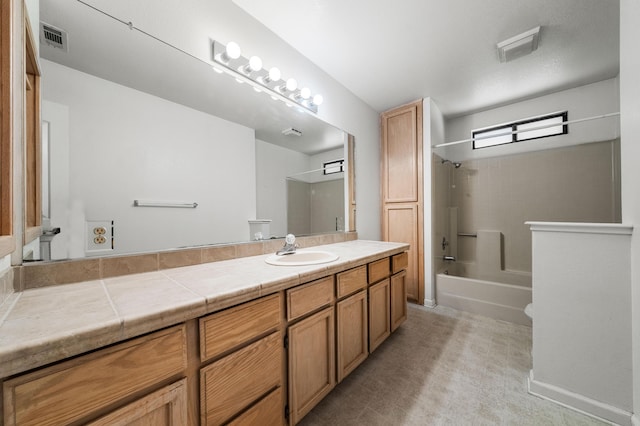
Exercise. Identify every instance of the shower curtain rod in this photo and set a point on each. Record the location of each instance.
(579, 120)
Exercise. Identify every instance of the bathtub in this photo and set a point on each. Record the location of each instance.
(500, 300)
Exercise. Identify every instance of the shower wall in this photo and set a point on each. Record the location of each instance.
(579, 184)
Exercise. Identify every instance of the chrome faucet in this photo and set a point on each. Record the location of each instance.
(290, 245)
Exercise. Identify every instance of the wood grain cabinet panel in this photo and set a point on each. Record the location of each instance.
(165, 407)
(225, 330)
(378, 270)
(402, 227)
(235, 382)
(401, 149)
(307, 298)
(268, 411)
(399, 262)
(398, 299)
(74, 389)
(379, 313)
(352, 333)
(402, 188)
(351, 281)
(312, 373)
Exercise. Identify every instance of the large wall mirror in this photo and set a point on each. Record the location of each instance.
(147, 148)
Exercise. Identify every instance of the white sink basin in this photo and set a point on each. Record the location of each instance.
(301, 258)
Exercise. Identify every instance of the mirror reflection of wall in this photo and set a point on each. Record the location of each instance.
(289, 205)
(315, 207)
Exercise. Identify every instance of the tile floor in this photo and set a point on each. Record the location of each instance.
(444, 367)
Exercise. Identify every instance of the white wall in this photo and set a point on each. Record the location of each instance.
(630, 155)
(129, 145)
(581, 102)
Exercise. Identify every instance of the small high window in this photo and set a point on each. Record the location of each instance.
(333, 167)
(524, 130)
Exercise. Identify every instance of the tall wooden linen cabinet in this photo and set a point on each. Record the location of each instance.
(402, 188)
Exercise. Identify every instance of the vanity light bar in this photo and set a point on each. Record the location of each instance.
(229, 59)
(140, 203)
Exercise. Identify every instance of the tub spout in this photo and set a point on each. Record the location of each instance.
(449, 258)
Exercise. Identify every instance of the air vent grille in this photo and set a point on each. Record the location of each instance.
(52, 36)
(292, 132)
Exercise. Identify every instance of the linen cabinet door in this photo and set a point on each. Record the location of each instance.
(311, 362)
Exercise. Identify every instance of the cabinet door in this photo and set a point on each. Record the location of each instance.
(402, 154)
(379, 313)
(167, 406)
(402, 227)
(398, 299)
(352, 331)
(312, 372)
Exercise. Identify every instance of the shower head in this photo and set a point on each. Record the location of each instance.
(455, 164)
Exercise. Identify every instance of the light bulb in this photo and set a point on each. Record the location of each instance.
(305, 93)
(255, 63)
(292, 84)
(318, 99)
(233, 50)
(274, 74)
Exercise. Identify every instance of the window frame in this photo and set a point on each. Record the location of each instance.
(513, 128)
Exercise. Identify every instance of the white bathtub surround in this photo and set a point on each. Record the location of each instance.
(489, 298)
(484, 287)
(582, 310)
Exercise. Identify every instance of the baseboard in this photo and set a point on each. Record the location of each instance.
(430, 303)
(580, 403)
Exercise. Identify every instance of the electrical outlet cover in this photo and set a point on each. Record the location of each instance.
(99, 236)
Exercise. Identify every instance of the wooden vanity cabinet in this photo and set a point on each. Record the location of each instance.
(92, 385)
(237, 363)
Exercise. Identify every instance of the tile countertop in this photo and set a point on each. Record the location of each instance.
(48, 324)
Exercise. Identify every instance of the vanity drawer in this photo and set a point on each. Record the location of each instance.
(76, 389)
(235, 382)
(399, 262)
(269, 411)
(222, 331)
(378, 270)
(309, 297)
(352, 281)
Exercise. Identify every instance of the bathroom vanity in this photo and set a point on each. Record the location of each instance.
(233, 342)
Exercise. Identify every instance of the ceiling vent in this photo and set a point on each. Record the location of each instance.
(518, 46)
(291, 132)
(54, 37)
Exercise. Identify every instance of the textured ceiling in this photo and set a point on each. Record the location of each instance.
(392, 52)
